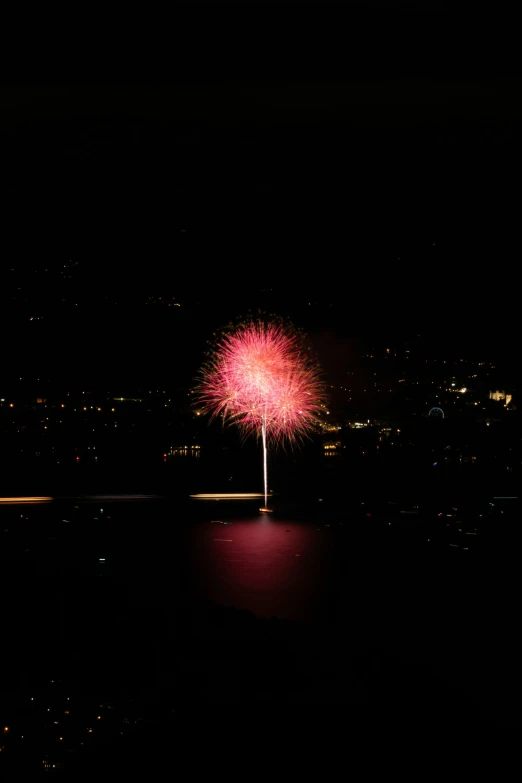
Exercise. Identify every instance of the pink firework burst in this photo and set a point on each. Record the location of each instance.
(261, 378)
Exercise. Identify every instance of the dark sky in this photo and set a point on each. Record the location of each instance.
(397, 194)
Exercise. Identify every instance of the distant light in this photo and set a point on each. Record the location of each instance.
(25, 499)
(228, 496)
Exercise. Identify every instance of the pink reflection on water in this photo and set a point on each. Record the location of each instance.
(270, 567)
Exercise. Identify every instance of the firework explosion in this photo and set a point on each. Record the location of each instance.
(261, 379)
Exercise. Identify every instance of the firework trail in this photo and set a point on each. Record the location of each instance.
(260, 378)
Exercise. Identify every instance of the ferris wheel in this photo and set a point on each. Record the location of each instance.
(436, 412)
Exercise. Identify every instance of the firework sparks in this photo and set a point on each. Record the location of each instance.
(261, 379)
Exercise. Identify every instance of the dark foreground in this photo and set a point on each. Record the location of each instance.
(122, 638)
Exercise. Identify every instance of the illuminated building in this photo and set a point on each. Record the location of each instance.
(332, 445)
(500, 395)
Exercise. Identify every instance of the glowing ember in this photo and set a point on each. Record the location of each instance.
(261, 378)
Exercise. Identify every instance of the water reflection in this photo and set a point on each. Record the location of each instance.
(22, 500)
(269, 566)
(228, 496)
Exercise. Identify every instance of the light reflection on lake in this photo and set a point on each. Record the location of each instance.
(269, 566)
(224, 552)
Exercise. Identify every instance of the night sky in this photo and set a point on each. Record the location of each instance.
(138, 219)
(391, 201)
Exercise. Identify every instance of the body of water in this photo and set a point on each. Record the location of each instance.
(132, 593)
